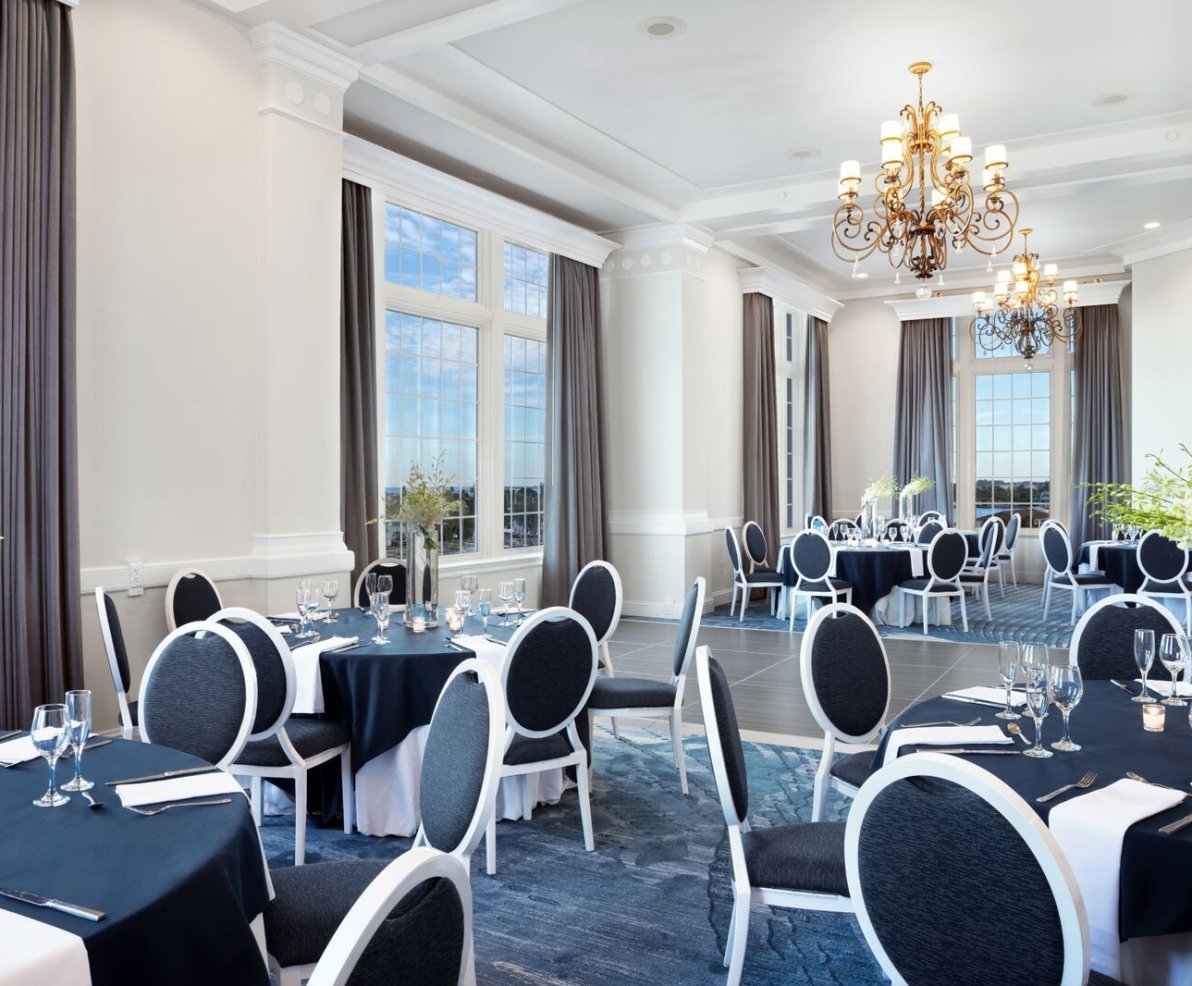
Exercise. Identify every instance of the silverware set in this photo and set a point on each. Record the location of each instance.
(1083, 784)
(942, 722)
(158, 809)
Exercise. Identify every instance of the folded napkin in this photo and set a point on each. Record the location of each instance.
(1162, 687)
(943, 736)
(308, 693)
(1090, 829)
(293, 615)
(485, 649)
(983, 694)
(18, 750)
(177, 789)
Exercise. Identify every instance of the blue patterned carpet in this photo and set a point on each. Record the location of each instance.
(651, 905)
(1017, 617)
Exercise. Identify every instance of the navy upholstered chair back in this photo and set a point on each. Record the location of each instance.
(1012, 528)
(959, 830)
(755, 543)
(191, 596)
(734, 550)
(1057, 550)
(811, 555)
(548, 671)
(596, 595)
(988, 542)
(946, 555)
(110, 618)
(688, 628)
(846, 675)
(270, 655)
(928, 532)
(1103, 641)
(199, 694)
(724, 738)
(383, 566)
(1160, 558)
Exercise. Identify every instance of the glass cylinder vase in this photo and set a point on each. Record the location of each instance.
(422, 577)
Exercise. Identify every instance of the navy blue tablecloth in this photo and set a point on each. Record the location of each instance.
(1119, 562)
(872, 572)
(180, 889)
(1156, 874)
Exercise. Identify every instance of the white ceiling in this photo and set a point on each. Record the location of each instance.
(567, 105)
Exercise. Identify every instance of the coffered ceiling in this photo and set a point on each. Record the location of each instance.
(736, 120)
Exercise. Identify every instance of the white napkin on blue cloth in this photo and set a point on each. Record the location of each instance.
(308, 692)
(37, 952)
(485, 649)
(943, 736)
(18, 750)
(1090, 829)
(209, 785)
(293, 615)
(1094, 552)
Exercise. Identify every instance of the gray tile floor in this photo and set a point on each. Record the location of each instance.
(763, 671)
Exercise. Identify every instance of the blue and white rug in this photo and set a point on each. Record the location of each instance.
(651, 905)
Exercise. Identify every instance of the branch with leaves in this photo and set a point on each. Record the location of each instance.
(1162, 503)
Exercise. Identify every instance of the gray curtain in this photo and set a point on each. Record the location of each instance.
(40, 638)
(760, 458)
(817, 436)
(1100, 453)
(358, 379)
(922, 429)
(575, 515)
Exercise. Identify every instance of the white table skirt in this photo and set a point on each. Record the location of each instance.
(36, 952)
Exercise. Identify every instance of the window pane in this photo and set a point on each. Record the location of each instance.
(429, 254)
(525, 275)
(525, 437)
(1013, 462)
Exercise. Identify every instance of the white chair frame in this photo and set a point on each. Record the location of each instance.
(1026, 823)
(981, 589)
(744, 893)
(298, 769)
(173, 587)
(929, 592)
(796, 592)
(1183, 592)
(1010, 547)
(246, 667)
(128, 729)
(1117, 599)
(739, 581)
(375, 563)
(673, 712)
(824, 780)
(754, 563)
(577, 758)
(606, 659)
(401, 876)
(1079, 592)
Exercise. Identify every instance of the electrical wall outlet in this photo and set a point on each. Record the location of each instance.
(136, 578)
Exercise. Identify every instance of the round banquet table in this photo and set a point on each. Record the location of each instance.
(1156, 890)
(873, 572)
(1119, 562)
(180, 889)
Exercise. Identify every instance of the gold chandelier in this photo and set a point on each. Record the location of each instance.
(1024, 311)
(925, 198)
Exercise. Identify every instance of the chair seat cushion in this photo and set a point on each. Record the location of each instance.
(971, 578)
(311, 902)
(804, 856)
(635, 693)
(523, 749)
(1082, 578)
(853, 768)
(809, 588)
(1173, 588)
(309, 736)
(763, 577)
(918, 585)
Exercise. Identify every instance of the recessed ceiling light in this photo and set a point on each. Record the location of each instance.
(803, 153)
(1113, 98)
(661, 28)
(1151, 225)
(861, 275)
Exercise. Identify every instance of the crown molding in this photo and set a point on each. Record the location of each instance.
(422, 187)
(784, 288)
(957, 305)
(1163, 250)
(275, 44)
(69, 3)
(665, 234)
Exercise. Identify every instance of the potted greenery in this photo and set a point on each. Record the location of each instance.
(426, 500)
(1162, 503)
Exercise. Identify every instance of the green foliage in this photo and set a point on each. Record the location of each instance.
(1162, 503)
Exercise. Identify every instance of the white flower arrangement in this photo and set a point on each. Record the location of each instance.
(918, 484)
(877, 488)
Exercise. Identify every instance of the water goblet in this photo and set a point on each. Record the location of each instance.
(1038, 701)
(78, 729)
(370, 588)
(463, 601)
(1009, 661)
(519, 593)
(385, 584)
(1067, 687)
(1144, 657)
(49, 736)
(1034, 656)
(505, 592)
(330, 591)
(486, 604)
(379, 607)
(1171, 653)
(302, 602)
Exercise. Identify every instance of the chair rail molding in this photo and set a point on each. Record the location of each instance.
(793, 293)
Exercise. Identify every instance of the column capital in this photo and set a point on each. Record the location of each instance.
(661, 248)
(301, 78)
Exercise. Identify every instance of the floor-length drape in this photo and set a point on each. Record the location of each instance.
(40, 602)
(1100, 452)
(922, 430)
(817, 436)
(575, 513)
(760, 455)
(358, 380)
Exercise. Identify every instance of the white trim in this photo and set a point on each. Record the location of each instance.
(424, 189)
(667, 523)
(1176, 246)
(275, 44)
(656, 235)
(781, 287)
(961, 305)
(69, 3)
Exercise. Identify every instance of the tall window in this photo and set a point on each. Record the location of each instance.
(429, 254)
(526, 272)
(525, 440)
(790, 358)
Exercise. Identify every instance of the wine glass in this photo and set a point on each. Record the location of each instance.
(1009, 662)
(313, 595)
(1171, 653)
(1038, 700)
(370, 588)
(49, 736)
(385, 585)
(1067, 687)
(379, 607)
(1144, 657)
(463, 601)
(302, 602)
(519, 593)
(505, 591)
(330, 591)
(486, 604)
(78, 728)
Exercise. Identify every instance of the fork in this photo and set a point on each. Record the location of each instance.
(178, 804)
(1085, 782)
(1142, 780)
(942, 722)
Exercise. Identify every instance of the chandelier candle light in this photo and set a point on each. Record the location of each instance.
(925, 197)
(1024, 311)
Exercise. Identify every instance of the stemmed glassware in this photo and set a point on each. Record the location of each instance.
(330, 591)
(49, 736)
(1144, 657)
(519, 593)
(463, 601)
(385, 585)
(472, 584)
(1171, 653)
(1067, 688)
(370, 588)
(1009, 662)
(505, 592)
(78, 729)
(1038, 701)
(302, 599)
(486, 604)
(379, 607)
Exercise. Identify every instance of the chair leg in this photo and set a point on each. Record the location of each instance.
(732, 933)
(257, 811)
(736, 945)
(1075, 593)
(490, 843)
(744, 602)
(926, 608)
(676, 728)
(585, 806)
(348, 790)
(732, 606)
(985, 596)
(1046, 593)
(1001, 581)
(300, 818)
(823, 778)
(527, 799)
(901, 608)
(964, 612)
(611, 672)
(1013, 571)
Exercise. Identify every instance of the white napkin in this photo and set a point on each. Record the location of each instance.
(917, 556)
(1094, 552)
(983, 694)
(486, 650)
(293, 615)
(943, 736)
(36, 952)
(1162, 687)
(178, 789)
(18, 750)
(1090, 829)
(308, 693)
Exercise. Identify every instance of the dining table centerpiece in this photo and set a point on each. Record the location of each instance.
(1162, 502)
(883, 486)
(426, 500)
(915, 486)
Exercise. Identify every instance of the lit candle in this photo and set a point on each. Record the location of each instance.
(419, 624)
(995, 156)
(1153, 717)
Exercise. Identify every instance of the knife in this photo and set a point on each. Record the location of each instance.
(495, 640)
(90, 746)
(1126, 688)
(11, 733)
(163, 776)
(452, 643)
(58, 905)
(974, 701)
(936, 749)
